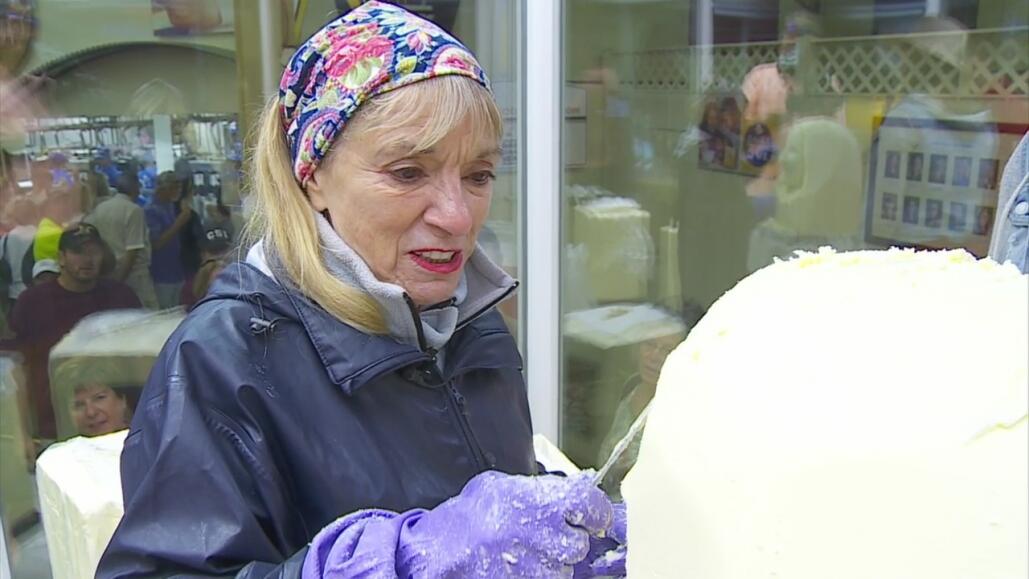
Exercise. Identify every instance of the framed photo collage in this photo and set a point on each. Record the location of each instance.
(933, 184)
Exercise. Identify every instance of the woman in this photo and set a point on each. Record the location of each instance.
(347, 402)
(99, 409)
(94, 391)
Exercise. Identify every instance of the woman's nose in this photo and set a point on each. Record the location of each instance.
(449, 210)
(92, 411)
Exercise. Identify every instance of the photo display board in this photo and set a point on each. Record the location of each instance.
(933, 184)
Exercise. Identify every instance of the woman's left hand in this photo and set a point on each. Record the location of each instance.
(607, 556)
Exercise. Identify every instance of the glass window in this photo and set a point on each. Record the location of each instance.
(718, 136)
(132, 118)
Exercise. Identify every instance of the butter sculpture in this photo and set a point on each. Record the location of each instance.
(851, 415)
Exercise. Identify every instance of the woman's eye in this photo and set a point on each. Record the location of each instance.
(482, 177)
(407, 174)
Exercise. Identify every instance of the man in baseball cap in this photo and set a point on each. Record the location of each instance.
(44, 313)
(214, 249)
(217, 241)
(78, 236)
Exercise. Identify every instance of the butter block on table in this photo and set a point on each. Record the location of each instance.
(79, 485)
(616, 232)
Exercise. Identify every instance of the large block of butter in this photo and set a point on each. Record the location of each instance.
(79, 484)
(616, 233)
(847, 416)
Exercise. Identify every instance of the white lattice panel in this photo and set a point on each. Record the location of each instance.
(885, 67)
(665, 69)
(995, 63)
(1001, 66)
(675, 69)
(732, 63)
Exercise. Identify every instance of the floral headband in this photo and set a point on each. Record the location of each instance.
(373, 49)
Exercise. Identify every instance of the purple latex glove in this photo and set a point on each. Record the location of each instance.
(499, 526)
(607, 554)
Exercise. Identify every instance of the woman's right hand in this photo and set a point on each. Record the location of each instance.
(185, 210)
(499, 526)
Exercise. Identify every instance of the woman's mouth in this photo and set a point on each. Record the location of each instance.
(438, 260)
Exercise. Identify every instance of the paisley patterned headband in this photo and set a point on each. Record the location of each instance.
(373, 49)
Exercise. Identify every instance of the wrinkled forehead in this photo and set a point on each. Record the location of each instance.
(467, 141)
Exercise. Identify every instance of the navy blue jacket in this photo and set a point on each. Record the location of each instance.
(265, 418)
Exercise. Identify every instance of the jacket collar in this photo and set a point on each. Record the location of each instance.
(483, 284)
(351, 357)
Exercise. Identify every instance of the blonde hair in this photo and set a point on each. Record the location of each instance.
(284, 219)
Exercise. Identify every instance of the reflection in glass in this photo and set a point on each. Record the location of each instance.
(99, 404)
(818, 195)
(933, 213)
(830, 147)
(915, 161)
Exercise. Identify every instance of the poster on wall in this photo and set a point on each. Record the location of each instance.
(728, 143)
(933, 184)
(192, 17)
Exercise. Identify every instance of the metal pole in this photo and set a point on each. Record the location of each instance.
(542, 170)
(270, 17)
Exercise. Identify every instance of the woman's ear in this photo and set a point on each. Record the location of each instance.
(315, 193)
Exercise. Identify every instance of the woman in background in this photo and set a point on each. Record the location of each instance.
(99, 409)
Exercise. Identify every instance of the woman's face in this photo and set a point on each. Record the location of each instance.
(711, 116)
(412, 216)
(97, 409)
(731, 117)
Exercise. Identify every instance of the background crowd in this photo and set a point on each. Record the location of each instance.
(115, 235)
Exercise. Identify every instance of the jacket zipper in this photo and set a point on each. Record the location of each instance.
(457, 401)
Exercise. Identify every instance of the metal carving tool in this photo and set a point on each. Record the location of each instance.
(623, 444)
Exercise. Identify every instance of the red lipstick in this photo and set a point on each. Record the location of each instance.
(442, 261)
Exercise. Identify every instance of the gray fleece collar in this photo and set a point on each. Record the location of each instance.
(483, 285)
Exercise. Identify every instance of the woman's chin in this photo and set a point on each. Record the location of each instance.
(430, 293)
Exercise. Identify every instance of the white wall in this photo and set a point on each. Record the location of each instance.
(68, 26)
(192, 81)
